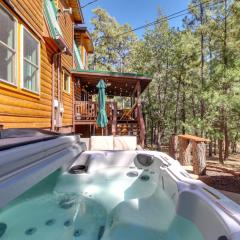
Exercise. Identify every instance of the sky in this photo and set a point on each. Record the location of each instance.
(136, 12)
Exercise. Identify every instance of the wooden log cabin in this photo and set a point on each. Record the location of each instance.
(44, 78)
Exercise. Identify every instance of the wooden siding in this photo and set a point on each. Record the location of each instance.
(23, 109)
(20, 108)
(67, 26)
(26, 8)
(82, 43)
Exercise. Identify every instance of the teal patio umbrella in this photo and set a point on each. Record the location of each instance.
(102, 119)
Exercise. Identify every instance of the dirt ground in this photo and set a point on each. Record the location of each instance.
(225, 178)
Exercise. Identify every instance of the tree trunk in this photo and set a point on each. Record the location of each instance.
(152, 133)
(183, 144)
(220, 151)
(188, 154)
(226, 87)
(202, 103)
(210, 151)
(215, 147)
(220, 141)
(226, 140)
(183, 115)
(158, 137)
(173, 146)
(177, 106)
(199, 158)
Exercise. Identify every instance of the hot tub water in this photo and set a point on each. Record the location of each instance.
(117, 203)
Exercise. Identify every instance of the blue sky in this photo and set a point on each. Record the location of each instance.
(136, 12)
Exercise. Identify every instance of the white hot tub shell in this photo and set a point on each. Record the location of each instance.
(216, 216)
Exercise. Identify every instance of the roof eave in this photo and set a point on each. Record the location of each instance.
(62, 45)
(79, 18)
(112, 74)
(83, 29)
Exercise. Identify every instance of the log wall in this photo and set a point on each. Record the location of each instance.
(21, 108)
(24, 109)
(67, 25)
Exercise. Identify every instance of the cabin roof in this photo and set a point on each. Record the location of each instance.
(77, 11)
(118, 84)
(50, 13)
(81, 32)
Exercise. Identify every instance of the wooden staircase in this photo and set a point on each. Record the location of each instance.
(128, 128)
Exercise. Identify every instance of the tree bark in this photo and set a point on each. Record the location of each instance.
(188, 154)
(226, 141)
(173, 146)
(199, 158)
(202, 103)
(177, 106)
(183, 144)
(220, 151)
(183, 115)
(215, 146)
(210, 151)
(226, 87)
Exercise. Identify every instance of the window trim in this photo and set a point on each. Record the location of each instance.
(69, 82)
(22, 59)
(15, 71)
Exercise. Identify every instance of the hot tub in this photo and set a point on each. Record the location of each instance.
(121, 195)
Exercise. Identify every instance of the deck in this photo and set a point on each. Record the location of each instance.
(121, 122)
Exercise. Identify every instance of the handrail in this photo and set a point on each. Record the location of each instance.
(88, 110)
(85, 110)
(128, 114)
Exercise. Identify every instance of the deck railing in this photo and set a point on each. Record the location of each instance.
(88, 110)
(131, 119)
(85, 110)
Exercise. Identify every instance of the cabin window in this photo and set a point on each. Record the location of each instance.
(31, 61)
(8, 26)
(66, 82)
